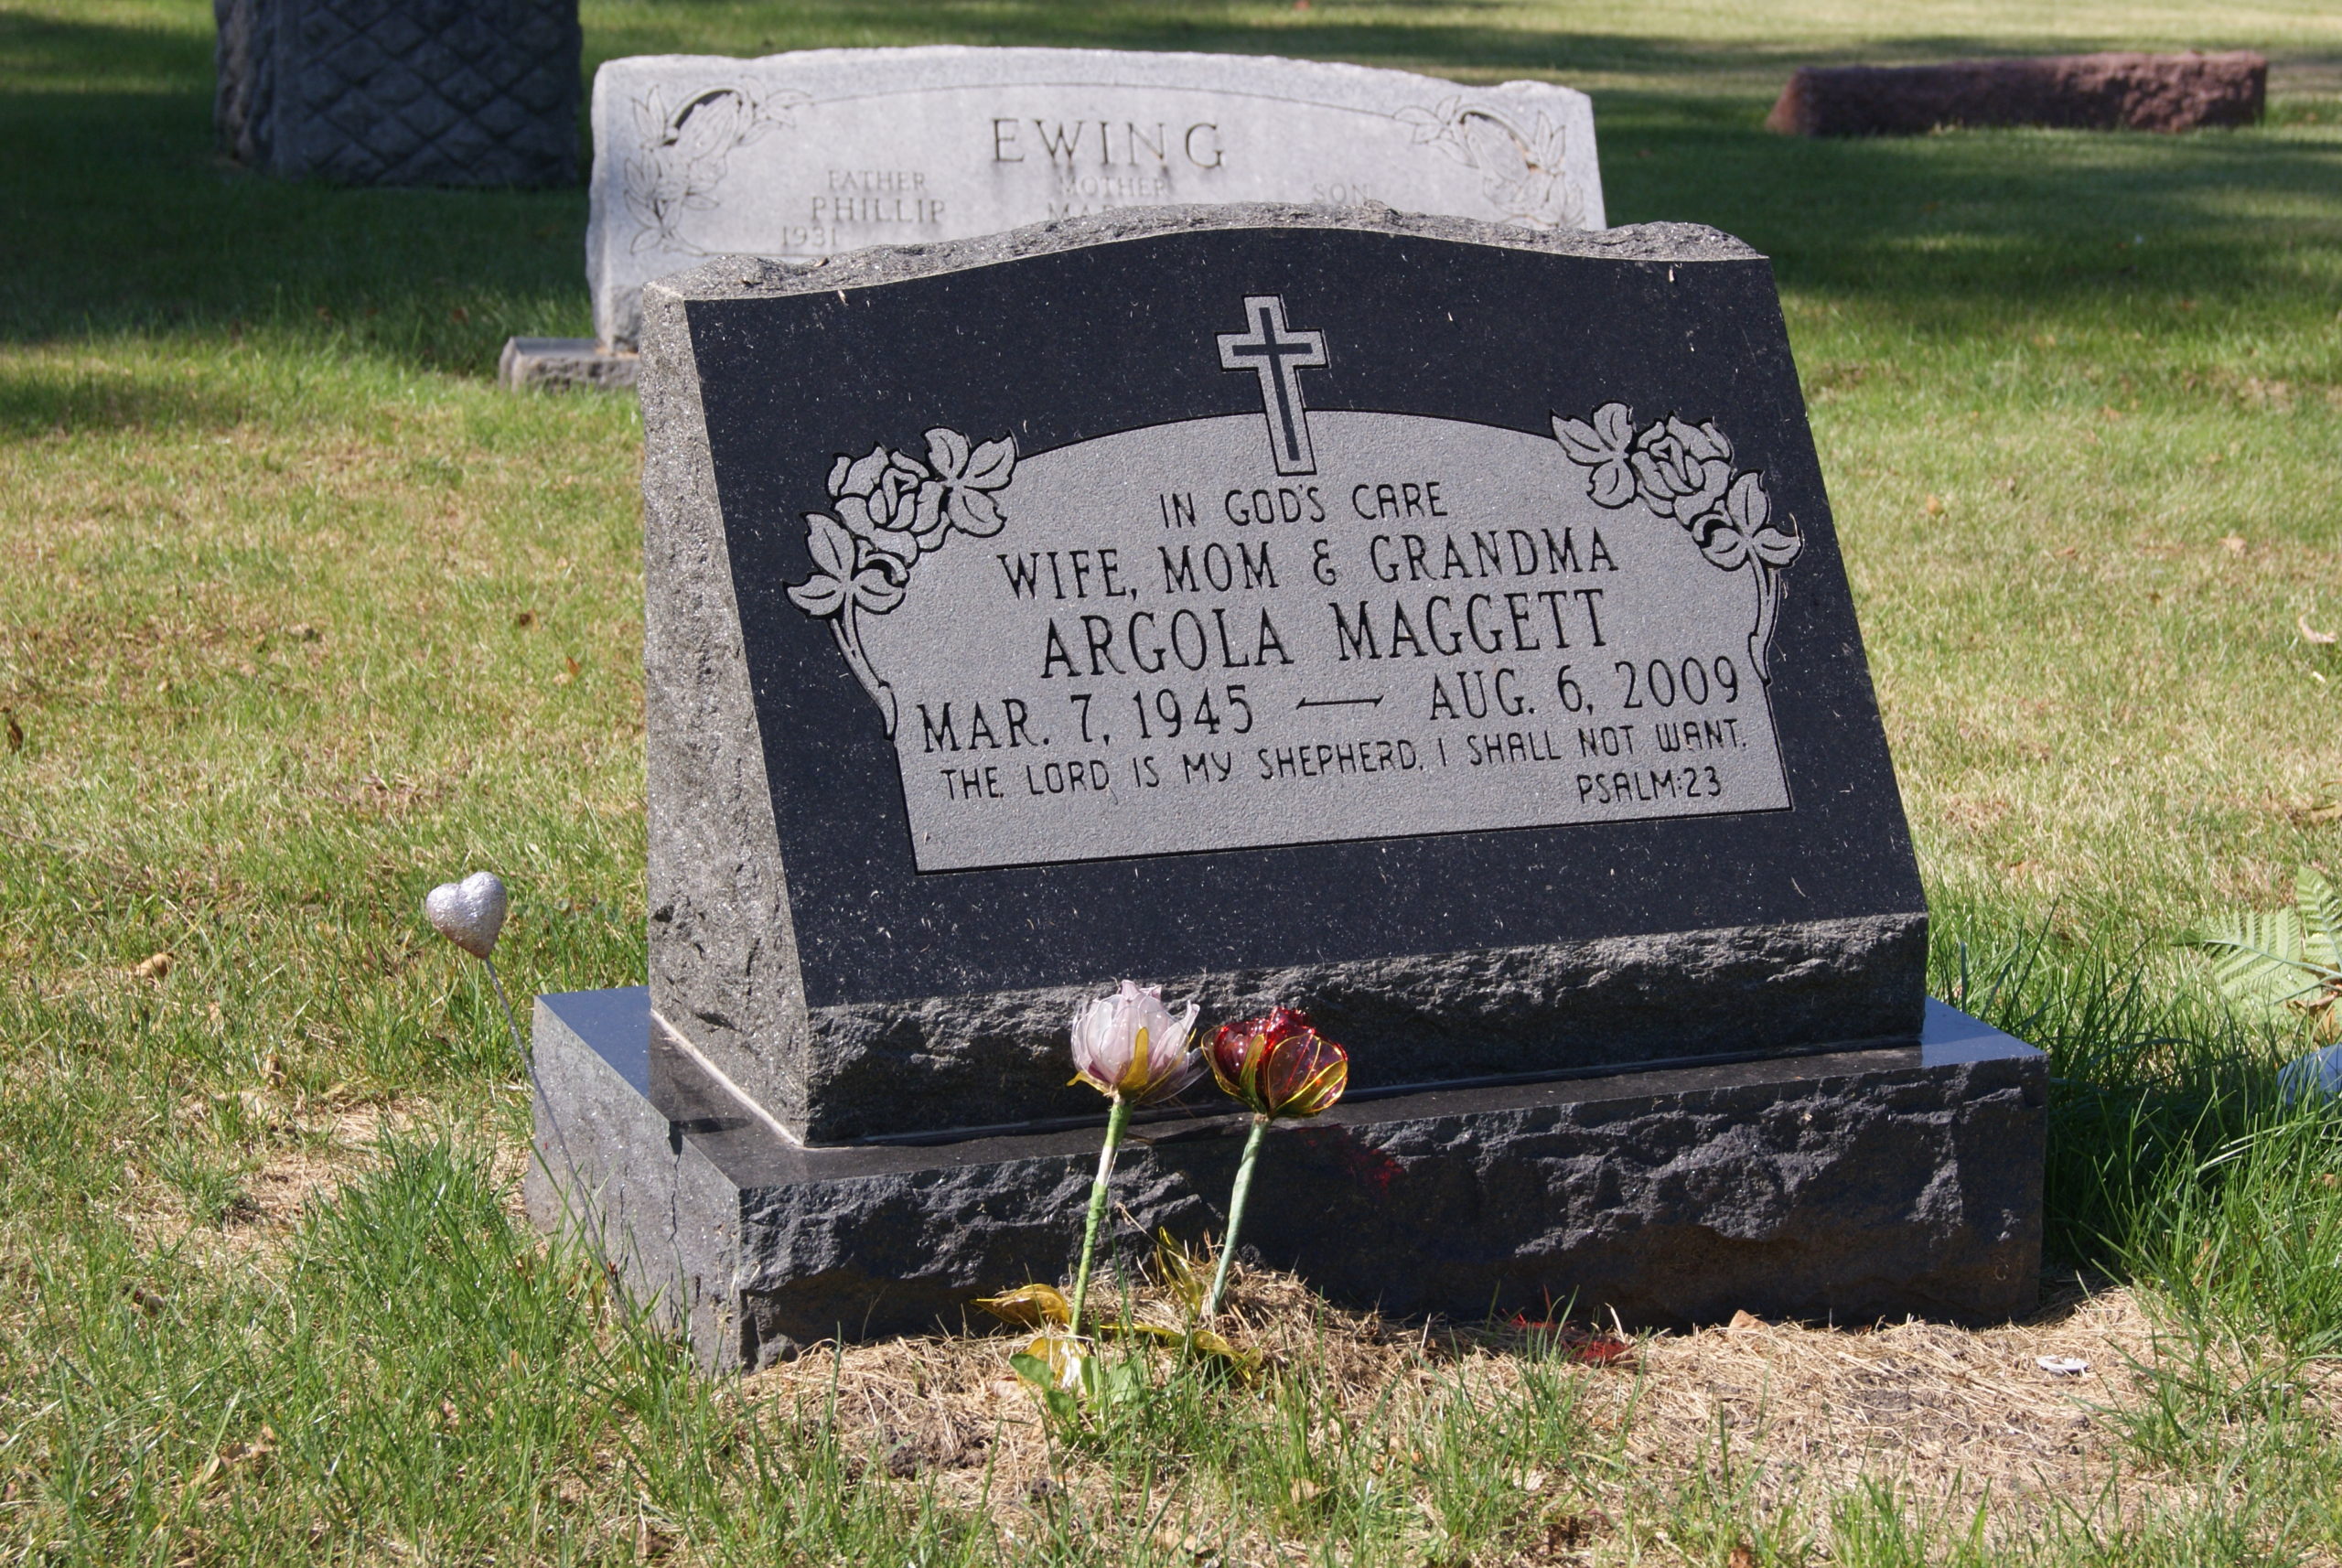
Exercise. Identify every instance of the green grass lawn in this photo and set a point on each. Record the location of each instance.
(299, 615)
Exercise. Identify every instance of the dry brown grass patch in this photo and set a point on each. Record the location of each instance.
(1957, 1418)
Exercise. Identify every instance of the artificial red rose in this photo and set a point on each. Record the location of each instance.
(1279, 1064)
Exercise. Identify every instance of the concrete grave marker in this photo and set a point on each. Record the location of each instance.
(825, 151)
(1434, 625)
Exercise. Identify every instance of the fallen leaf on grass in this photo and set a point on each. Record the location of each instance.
(15, 730)
(1029, 1307)
(2311, 633)
(1934, 507)
(153, 966)
(1585, 1346)
(2232, 543)
(1741, 1556)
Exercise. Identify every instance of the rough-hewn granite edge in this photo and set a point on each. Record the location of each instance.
(741, 278)
(722, 941)
(1850, 1187)
(877, 1068)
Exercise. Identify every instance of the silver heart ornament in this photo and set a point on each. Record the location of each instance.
(468, 913)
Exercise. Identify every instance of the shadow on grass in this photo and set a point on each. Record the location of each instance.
(38, 399)
(136, 224)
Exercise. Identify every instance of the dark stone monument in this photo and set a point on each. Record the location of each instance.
(1432, 625)
(481, 92)
(2073, 92)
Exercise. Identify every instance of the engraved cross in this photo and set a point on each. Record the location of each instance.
(1278, 356)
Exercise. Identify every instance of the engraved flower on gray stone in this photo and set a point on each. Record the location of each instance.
(1736, 530)
(890, 509)
(844, 575)
(970, 476)
(684, 154)
(1603, 446)
(1522, 171)
(1684, 471)
(890, 501)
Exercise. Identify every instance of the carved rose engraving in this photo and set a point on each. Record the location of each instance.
(1522, 171)
(684, 154)
(887, 509)
(1684, 471)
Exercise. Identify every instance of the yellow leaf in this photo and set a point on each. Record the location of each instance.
(1029, 1307)
(1212, 1343)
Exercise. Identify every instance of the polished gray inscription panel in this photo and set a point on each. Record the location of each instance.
(1419, 626)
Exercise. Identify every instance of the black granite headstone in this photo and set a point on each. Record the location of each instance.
(1436, 626)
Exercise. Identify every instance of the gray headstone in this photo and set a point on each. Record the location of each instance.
(832, 150)
(1437, 625)
(459, 92)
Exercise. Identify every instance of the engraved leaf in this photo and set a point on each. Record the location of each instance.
(974, 512)
(1613, 484)
(1747, 505)
(650, 116)
(947, 453)
(1452, 147)
(992, 463)
(1610, 433)
(780, 108)
(1422, 123)
(1602, 446)
(1724, 546)
(819, 596)
(879, 591)
(829, 543)
(1551, 143)
(1775, 548)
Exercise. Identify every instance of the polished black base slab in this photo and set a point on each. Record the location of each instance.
(1849, 1186)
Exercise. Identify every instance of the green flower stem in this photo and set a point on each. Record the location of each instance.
(1235, 1215)
(1114, 1120)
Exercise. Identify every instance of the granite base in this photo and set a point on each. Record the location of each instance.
(564, 364)
(1848, 1187)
